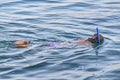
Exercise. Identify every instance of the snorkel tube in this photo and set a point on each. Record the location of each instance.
(98, 34)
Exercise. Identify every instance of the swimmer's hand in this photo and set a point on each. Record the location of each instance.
(21, 43)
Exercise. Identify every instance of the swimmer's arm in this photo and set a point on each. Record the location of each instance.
(82, 42)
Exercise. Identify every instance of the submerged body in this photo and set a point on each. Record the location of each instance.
(82, 42)
(25, 43)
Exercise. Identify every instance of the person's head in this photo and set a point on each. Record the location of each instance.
(94, 39)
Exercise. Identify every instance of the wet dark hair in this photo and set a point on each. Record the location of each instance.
(94, 39)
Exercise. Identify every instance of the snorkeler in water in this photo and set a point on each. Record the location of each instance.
(95, 39)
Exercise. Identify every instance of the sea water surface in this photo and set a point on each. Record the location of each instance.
(43, 21)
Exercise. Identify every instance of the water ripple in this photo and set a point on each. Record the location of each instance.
(43, 21)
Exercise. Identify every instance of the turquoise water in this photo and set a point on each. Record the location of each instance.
(43, 21)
